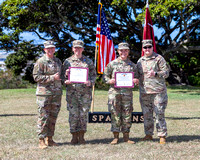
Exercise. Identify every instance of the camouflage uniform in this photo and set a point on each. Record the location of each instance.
(49, 92)
(153, 92)
(120, 100)
(78, 95)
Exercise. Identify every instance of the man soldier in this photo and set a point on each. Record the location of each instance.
(153, 70)
(78, 95)
(120, 100)
(46, 73)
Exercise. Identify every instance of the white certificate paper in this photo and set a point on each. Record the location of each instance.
(124, 79)
(78, 74)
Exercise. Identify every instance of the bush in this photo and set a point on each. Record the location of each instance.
(195, 79)
(100, 84)
(9, 81)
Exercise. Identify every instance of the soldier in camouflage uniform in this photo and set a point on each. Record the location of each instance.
(120, 100)
(78, 95)
(46, 73)
(153, 70)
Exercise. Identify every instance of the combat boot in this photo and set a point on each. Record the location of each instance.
(81, 137)
(126, 138)
(50, 142)
(162, 140)
(116, 138)
(42, 144)
(147, 138)
(74, 138)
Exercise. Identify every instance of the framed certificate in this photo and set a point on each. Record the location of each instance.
(78, 74)
(124, 79)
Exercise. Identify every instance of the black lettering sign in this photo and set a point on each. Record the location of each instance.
(105, 117)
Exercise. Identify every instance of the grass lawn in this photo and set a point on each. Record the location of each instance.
(18, 137)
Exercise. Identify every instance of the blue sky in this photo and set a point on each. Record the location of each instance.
(29, 36)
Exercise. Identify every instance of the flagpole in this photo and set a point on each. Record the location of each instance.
(95, 60)
(93, 87)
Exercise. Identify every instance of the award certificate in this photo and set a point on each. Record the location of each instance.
(78, 74)
(124, 79)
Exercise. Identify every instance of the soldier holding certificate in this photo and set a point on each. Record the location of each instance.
(120, 99)
(78, 91)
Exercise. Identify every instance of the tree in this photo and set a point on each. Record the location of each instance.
(21, 61)
(64, 21)
(54, 20)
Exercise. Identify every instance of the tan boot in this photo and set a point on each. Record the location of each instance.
(147, 138)
(162, 140)
(42, 144)
(126, 138)
(81, 137)
(116, 138)
(50, 142)
(74, 138)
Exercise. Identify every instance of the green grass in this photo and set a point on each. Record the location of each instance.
(18, 137)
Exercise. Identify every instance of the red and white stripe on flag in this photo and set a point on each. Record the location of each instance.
(98, 34)
(106, 50)
(106, 53)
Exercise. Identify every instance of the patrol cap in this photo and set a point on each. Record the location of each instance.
(49, 44)
(146, 42)
(78, 43)
(123, 45)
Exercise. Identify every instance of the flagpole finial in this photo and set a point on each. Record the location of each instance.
(147, 4)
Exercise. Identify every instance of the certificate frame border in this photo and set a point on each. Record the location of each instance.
(124, 86)
(78, 68)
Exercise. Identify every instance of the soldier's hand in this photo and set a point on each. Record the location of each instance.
(151, 73)
(136, 81)
(67, 82)
(112, 81)
(67, 72)
(88, 83)
(57, 77)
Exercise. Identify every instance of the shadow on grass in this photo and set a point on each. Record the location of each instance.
(108, 140)
(102, 141)
(63, 144)
(182, 118)
(198, 93)
(18, 115)
(176, 138)
(189, 88)
(183, 138)
(94, 141)
(192, 92)
(185, 89)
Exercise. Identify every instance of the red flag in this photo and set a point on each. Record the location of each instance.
(106, 50)
(148, 29)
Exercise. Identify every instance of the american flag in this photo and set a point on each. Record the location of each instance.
(106, 50)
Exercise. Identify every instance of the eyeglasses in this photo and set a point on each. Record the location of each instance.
(147, 47)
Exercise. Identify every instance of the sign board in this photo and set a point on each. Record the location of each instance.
(105, 117)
